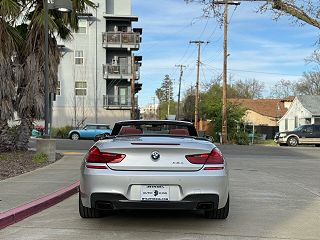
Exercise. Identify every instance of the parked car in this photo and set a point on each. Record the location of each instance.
(154, 165)
(89, 131)
(305, 134)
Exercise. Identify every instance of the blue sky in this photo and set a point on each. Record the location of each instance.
(259, 47)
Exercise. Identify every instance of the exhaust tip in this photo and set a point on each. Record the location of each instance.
(205, 206)
(104, 206)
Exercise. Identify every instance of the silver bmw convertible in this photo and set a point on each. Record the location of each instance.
(154, 165)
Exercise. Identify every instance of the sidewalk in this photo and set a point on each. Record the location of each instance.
(41, 183)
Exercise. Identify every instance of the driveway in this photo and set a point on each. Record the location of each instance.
(275, 194)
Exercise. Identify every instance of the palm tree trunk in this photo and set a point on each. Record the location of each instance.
(24, 133)
(7, 143)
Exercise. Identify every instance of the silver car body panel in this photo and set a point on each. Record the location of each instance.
(137, 169)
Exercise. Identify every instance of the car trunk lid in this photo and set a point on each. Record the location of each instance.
(155, 153)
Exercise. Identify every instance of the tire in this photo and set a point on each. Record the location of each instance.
(221, 213)
(75, 136)
(88, 212)
(292, 141)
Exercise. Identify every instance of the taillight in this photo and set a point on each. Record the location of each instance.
(198, 158)
(215, 157)
(95, 156)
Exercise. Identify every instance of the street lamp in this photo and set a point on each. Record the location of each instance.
(62, 6)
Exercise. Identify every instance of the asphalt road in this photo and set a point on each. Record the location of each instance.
(275, 194)
(234, 150)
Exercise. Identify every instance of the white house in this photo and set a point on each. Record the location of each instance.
(305, 109)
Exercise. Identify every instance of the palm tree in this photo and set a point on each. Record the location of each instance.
(9, 39)
(31, 94)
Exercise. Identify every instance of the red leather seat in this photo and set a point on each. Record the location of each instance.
(178, 131)
(129, 131)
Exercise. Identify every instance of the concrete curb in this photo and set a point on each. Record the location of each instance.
(23, 211)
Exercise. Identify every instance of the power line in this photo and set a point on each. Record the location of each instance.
(251, 71)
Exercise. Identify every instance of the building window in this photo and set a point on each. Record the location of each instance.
(80, 88)
(58, 92)
(78, 57)
(286, 124)
(295, 122)
(83, 24)
(308, 120)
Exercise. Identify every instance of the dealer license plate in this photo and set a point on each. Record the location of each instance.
(155, 193)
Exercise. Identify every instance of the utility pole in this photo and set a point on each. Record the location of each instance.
(224, 130)
(169, 86)
(180, 78)
(196, 107)
(133, 112)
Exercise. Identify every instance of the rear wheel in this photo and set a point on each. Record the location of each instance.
(292, 141)
(75, 136)
(88, 212)
(221, 213)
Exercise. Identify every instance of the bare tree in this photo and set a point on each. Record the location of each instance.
(248, 88)
(305, 11)
(309, 84)
(315, 59)
(283, 88)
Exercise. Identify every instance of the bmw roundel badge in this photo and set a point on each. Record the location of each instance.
(155, 155)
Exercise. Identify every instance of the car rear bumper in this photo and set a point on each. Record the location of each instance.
(123, 188)
(111, 201)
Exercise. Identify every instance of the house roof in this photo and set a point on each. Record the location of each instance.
(311, 103)
(266, 107)
(288, 99)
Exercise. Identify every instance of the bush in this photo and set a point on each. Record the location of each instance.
(40, 158)
(241, 138)
(61, 132)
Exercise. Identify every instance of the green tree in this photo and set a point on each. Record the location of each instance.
(165, 92)
(9, 10)
(189, 104)
(24, 20)
(211, 108)
(165, 97)
(163, 109)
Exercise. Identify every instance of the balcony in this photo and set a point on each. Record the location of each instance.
(128, 40)
(118, 102)
(117, 71)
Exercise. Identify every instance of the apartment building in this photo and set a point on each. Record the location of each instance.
(97, 67)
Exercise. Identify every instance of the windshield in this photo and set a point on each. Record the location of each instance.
(154, 129)
(298, 129)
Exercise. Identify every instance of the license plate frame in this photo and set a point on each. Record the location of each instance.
(155, 192)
